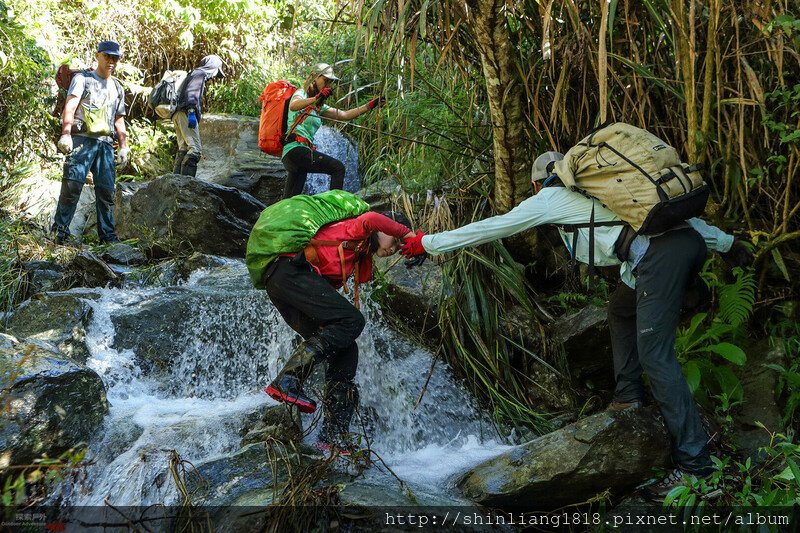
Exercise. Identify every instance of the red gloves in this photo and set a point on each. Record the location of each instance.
(324, 94)
(413, 247)
(376, 102)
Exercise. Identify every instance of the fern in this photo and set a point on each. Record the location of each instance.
(736, 300)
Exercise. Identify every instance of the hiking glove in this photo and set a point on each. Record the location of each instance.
(324, 94)
(376, 102)
(739, 255)
(65, 143)
(415, 261)
(123, 156)
(413, 247)
(192, 118)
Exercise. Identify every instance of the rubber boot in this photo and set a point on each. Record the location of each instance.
(189, 167)
(179, 161)
(341, 401)
(287, 387)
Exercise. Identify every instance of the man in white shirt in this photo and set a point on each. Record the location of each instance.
(643, 313)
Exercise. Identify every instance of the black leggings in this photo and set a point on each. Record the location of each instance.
(313, 308)
(300, 160)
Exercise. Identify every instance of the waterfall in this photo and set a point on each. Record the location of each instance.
(330, 141)
(231, 345)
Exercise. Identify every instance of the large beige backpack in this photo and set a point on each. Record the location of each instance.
(636, 175)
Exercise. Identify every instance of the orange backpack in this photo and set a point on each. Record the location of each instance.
(274, 112)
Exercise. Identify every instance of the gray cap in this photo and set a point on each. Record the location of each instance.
(109, 47)
(540, 171)
(324, 69)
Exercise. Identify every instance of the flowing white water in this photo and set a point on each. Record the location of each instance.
(228, 350)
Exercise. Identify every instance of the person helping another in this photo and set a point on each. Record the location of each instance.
(643, 312)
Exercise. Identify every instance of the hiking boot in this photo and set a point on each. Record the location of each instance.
(341, 400)
(623, 406)
(676, 478)
(179, 161)
(287, 387)
(189, 166)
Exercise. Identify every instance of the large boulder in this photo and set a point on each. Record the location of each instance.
(759, 383)
(611, 450)
(586, 340)
(88, 270)
(183, 213)
(412, 295)
(35, 198)
(43, 276)
(231, 157)
(58, 318)
(52, 403)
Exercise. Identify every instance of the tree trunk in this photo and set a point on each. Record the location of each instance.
(505, 93)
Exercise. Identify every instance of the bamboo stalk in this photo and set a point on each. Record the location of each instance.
(602, 61)
(708, 77)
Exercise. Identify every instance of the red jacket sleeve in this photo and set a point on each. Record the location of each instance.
(370, 222)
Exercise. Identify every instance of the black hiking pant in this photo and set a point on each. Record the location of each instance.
(642, 324)
(300, 161)
(313, 308)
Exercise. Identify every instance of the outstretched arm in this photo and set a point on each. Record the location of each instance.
(532, 212)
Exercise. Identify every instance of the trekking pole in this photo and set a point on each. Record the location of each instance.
(396, 136)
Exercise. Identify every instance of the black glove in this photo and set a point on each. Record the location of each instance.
(415, 261)
(739, 255)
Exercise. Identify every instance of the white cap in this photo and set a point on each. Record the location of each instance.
(539, 170)
(324, 69)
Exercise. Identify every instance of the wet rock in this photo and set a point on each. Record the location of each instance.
(412, 295)
(124, 254)
(179, 213)
(759, 383)
(196, 261)
(88, 270)
(143, 329)
(252, 476)
(550, 387)
(587, 347)
(379, 195)
(53, 403)
(275, 422)
(43, 276)
(58, 318)
(231, 157)
(611, 450)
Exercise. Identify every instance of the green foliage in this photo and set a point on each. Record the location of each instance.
(705, 342)
(786, 332)
(151, 151)
(12, 284)
(26, 485)
(24, 96)
(431, 137)
(773, 481)
(478, 285)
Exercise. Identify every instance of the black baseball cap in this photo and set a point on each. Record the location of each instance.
(109, 47)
